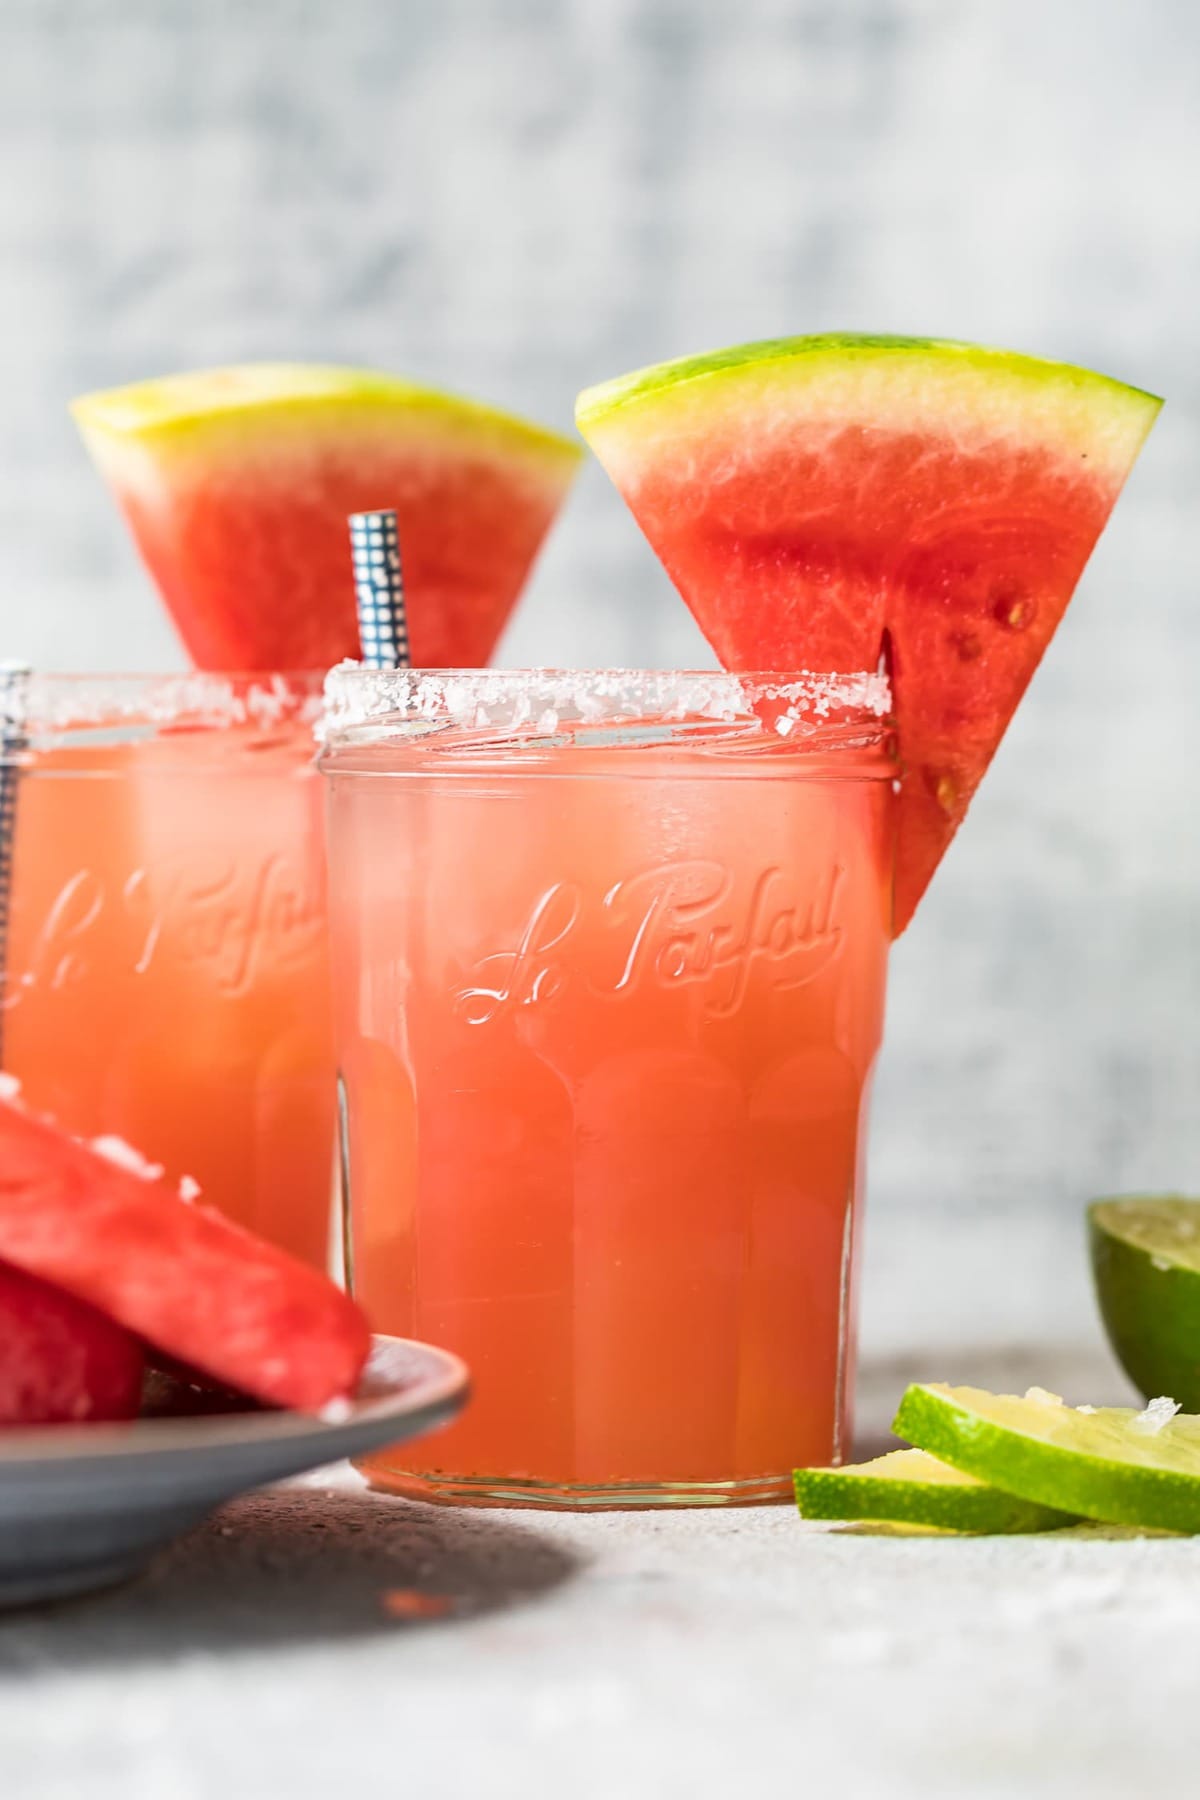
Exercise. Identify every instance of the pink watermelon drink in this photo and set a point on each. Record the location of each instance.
(609, 960)
(167, 962)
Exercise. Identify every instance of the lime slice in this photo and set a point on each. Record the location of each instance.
(907, 1487)
(1146, 1261)
(1110, 1463)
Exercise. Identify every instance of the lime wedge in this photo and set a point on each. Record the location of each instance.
(908, 1487)
(1146, 1262)
(1110, 1463)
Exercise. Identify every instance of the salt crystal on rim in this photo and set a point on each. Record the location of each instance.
(52, 703)
(1158, 1413)
(124, 1156)
(505, 699)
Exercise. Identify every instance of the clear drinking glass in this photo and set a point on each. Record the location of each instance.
(165, 976)
(608, 958)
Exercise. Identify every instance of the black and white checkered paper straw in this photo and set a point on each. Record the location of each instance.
(379, 587)
(14, 679)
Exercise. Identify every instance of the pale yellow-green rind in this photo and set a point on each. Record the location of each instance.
(909, 1487)
(897, 384)
(1166, 1226)
(1097, 1464)
(295, 402)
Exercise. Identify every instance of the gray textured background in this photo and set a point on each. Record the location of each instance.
(518, 197)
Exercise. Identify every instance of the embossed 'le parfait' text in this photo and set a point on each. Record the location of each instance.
(235, 922)
(675, 926)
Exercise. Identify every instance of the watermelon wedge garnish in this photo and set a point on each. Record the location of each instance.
(237, 484)
(61, 1361)
(179, 1276)
(824, 502)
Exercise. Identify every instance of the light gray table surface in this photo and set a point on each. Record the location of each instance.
(624, 1655)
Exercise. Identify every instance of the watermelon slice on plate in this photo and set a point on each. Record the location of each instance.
(61, 1361)
(179, 1276)
(824, 502)
(237, 484)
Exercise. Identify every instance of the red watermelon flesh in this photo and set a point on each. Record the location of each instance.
(822, 503)
(237, 484)
(181, 1277)
(61, 1361)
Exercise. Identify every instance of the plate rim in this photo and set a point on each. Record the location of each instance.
(444, 1380)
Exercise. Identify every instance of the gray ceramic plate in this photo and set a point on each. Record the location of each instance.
(85, 1505)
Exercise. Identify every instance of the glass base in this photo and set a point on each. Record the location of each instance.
(612, 1496)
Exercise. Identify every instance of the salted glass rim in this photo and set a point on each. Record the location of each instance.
(362, 702)
(37, 702)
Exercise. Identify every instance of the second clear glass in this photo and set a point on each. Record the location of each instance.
(609, 955)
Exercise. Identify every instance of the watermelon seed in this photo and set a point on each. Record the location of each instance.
(1015, 613)
(947, 793)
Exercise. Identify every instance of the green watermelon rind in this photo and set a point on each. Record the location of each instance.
(598, 403)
